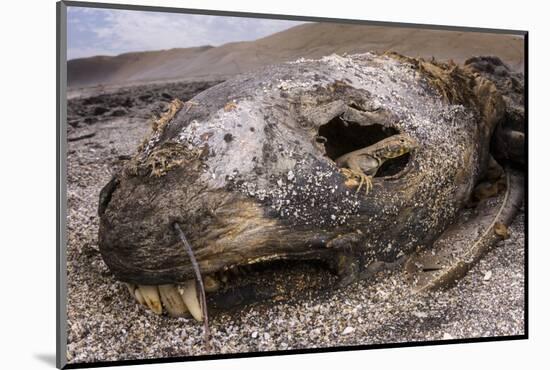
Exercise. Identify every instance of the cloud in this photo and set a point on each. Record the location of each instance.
(111, 32)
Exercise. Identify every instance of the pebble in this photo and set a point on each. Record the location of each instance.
(421, 315)
(348, 330)
(384, 310)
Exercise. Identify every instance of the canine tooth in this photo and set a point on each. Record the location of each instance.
(211, 284)
(150, 294)
(171, 300)
(191, 300)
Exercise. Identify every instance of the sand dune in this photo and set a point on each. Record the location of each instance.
(311, 40)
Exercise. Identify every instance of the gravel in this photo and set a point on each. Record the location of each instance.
(106, 324)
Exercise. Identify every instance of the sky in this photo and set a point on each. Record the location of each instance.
(111, 32)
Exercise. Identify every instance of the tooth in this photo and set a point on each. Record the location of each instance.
(171, 300)
(139, 297)
(150, 294)
(211, 284)
(134, 292)
(191, 300)
(131, 288)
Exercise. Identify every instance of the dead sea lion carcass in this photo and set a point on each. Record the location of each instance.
(250, 171)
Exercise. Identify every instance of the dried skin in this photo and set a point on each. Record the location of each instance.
(269, 190)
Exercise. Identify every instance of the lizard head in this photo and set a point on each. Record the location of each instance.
(398, 145)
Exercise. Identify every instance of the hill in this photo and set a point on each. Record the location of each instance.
(310, 40)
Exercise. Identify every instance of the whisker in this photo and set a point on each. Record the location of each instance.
(198, 277)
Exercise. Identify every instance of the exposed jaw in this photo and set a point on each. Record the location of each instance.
(237, 286)
(175, 300)
(240, 240)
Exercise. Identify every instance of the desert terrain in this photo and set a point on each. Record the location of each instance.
(312, 40)
(112, 101)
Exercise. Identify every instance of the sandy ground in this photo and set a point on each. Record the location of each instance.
(106, 324)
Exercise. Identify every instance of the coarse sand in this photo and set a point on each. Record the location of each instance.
(106, 324)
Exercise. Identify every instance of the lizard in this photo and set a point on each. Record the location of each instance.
(363, 163)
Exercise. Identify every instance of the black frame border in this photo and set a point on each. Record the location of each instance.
(61, 175)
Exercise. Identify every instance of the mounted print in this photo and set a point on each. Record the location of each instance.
(237, 184)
